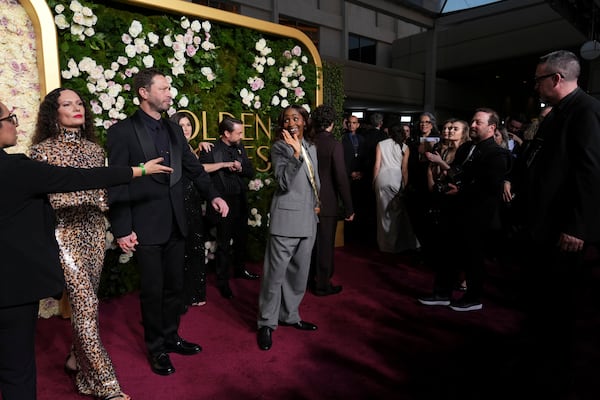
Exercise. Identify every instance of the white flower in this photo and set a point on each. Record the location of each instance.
(109, 73)
(185, 23)
(206, 45)
(86, 11)
(91, 88)
(122, 60)
(174, 91)
(59, 8)
(304, 59)
(126, 38)
(257, 105)
(270, 61)
(61, 21)
(148, 61)
(130, 51)
(153, 38)
(183, 102)
(261, 44)
(282, 92)
(125, 257)
(168, 41)
(275, 101)
(77, 30)
(135, 28)
(89, 32)
(208, 73)
(284, 103)
(114, 90)
(75, 6)
(206, 26)
(66, 74)
(296, 51)
(196, 26)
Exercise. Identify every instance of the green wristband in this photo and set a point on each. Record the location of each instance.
(141, 165)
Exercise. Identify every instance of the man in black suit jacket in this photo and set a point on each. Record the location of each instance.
(334, 185)
(30, 268)
(149, 216)
(560, 188)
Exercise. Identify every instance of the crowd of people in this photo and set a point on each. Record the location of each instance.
(437, 191)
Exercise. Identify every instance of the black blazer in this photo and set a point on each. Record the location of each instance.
(562, 172)
(333, 176)
(482, 179)
(30, 269)
(150, 207)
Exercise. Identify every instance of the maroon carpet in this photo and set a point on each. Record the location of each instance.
(374, 342)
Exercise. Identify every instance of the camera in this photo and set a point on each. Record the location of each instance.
(454, 176)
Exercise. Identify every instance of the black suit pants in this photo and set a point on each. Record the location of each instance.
(161, 291)
(17, 351)
(324, 252)
(232, 237)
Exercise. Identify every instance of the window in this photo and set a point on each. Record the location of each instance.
(362, 49)
(221, 5)
(311, 31)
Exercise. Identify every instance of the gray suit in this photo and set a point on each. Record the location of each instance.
(292, 228)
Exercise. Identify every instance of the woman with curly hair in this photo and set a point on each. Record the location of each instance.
(292, 228)
(64, 136)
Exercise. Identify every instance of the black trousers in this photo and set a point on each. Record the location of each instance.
(322, 260)
(161, 291)
(17, 351)
(232, 237)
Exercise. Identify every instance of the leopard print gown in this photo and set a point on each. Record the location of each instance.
(81, 233)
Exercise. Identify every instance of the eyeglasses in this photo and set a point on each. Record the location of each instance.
(538, 79)
(13, 118)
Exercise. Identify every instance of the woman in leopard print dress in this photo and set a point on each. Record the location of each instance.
(64, 136)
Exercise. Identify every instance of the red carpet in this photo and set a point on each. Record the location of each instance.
(374, 342)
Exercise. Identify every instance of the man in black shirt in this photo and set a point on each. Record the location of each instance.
(228, 165)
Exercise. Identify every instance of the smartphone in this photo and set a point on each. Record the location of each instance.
(432, 140)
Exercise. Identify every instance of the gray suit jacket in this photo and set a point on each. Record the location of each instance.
(293, 205)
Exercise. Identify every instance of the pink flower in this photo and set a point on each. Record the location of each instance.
(190, 50)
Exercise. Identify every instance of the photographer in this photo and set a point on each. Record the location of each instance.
(471, 203)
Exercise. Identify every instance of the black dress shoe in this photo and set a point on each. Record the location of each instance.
(161, 364)
(302, 325)
(226, 292)
(263, 338)
(183, 347)
(245, 274)
(329, 291)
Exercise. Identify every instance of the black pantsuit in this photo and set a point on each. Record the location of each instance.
(30, 268)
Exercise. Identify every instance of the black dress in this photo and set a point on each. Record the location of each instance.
(195, 264)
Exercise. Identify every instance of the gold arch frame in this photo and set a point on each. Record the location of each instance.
(46, 35)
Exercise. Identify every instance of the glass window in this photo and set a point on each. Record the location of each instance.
(362, 49)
